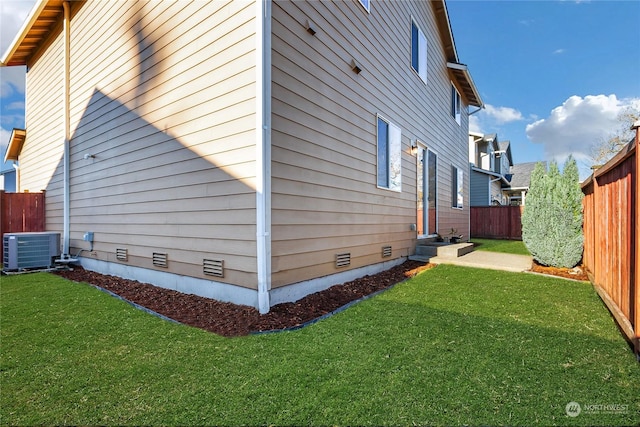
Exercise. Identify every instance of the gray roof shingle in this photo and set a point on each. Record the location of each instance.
(522, 174)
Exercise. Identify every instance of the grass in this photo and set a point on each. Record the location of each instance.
(451, 346)
(503, 246)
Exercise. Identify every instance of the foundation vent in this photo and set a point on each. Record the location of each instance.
(213, 267)
(343, 259)
(122, 254)
(160, 259)
(386, 251)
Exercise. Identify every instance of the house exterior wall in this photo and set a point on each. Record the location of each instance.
(479, 189)
(163, 113)
(325, 198)
(41, 156)
(162, 149)
(496, 192)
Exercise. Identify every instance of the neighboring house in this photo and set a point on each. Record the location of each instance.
(495, 180)
(490, 163)
(519, 185)
(8, 180)
(249, 151)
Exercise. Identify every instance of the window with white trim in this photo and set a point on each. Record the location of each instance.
(457, 181)
(418, 51)
(366, 4)
(389, 155)
(456, 104)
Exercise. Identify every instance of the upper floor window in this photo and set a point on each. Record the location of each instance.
(366, 4)
(389, 155)
(418, 51)
(456, 104)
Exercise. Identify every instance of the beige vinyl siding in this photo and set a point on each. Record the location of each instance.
(41, 156)
(163, 95)
(324, 194)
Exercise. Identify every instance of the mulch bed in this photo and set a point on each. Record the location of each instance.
(577, 273)
(229, 319)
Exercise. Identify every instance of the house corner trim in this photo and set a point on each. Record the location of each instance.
(263, 152)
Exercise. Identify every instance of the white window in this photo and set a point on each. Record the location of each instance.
(389, 155)
(457, 195)
(456, 104)
(366, 4)
(418, 51)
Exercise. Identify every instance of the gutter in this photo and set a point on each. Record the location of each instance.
(263, 152)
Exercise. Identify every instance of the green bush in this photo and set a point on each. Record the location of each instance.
(552, 217)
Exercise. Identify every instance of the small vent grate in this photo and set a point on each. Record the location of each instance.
(213, 267)
(343, 259)
(122, 254)
(386, 251)
(160, 259)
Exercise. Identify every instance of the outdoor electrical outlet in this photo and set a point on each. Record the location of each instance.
(88, 236)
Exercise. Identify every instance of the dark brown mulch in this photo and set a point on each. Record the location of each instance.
(229, 319)
(577, 273)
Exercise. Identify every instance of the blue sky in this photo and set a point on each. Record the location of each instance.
(553, 74)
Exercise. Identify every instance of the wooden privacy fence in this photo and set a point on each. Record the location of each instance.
(611, 238)
(21, 212)
(496, 222)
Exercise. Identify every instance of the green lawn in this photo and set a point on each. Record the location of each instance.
(451, 346)
(504, 246)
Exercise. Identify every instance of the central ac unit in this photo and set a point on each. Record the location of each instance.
(30, 250)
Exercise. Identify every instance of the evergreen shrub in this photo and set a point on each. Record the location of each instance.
(552, 216)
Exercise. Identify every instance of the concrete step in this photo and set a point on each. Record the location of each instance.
(420, 258)
(426, 250)
(456, 250)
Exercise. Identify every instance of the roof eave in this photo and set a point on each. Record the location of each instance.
(464, 79)
(16, 141)
(24, 30)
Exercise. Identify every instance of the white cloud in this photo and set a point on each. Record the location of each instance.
(577, 124)
(526, 22)
(4, 142)
(491, 118)
(15, 106)
(559, 51)
(474, 124)
(12, 15)
(502, 115)
(12, 81)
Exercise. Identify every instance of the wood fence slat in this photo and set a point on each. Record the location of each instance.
(611, 238)
(21, 212)
(496, 222)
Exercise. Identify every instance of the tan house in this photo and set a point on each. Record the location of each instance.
(249, 151)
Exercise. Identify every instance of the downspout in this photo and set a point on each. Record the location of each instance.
(16, 166)
(66, 160)
(263, 152)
